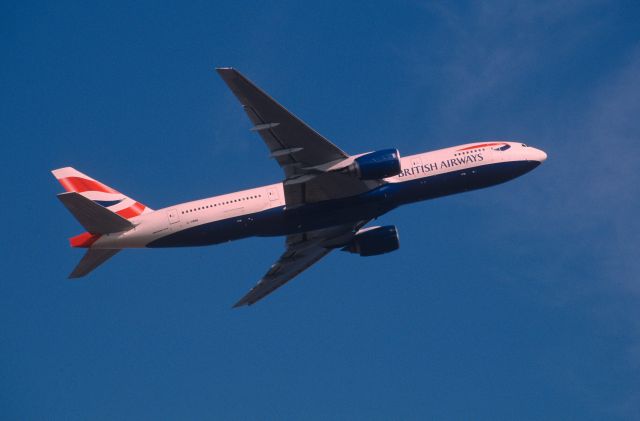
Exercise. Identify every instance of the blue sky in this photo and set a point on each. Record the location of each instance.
(516, 302)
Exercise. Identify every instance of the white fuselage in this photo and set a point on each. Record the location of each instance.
(239, 207)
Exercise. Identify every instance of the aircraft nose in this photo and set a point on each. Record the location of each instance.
(539, 155)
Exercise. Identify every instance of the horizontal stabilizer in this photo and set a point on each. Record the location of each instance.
(93, 217)
(91, 260)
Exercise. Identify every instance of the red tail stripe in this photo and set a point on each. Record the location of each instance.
(481, 146)
(80, 185)
(86, 239)
(133, 210)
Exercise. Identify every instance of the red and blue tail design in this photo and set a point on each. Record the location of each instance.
(74, 181)
(97, 221)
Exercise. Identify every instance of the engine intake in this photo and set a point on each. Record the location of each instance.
(376, 165)
(374, 241)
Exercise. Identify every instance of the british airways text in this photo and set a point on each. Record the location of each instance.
(434, 166)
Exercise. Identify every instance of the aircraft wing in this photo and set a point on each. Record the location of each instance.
(303, 250)
(297, 148)
(291, 142)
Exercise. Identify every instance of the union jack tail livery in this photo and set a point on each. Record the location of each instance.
(100, 209)
(74, 181)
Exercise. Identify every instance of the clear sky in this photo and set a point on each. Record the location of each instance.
(516, 302)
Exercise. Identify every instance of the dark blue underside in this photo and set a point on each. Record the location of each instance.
(281, 221)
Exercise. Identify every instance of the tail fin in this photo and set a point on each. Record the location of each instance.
(100, 209)
(74, 181)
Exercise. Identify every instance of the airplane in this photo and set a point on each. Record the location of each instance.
(325, 201)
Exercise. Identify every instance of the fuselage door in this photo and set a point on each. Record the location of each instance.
(173, 216)
(273, 194)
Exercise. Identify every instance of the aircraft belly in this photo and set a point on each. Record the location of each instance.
(458, 181)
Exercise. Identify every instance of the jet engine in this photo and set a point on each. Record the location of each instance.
(374, 241)
(376, 165)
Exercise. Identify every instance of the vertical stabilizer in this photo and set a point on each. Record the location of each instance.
(74, 181)
(100, 209)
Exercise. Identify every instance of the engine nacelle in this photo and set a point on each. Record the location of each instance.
(374, 241)
(376, 165)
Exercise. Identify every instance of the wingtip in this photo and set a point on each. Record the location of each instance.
(240, 303)
(228, 74)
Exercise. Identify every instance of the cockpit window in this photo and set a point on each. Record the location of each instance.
(523, 145)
